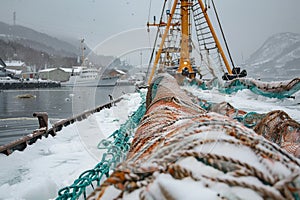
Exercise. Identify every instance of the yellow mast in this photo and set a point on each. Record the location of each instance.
(185, 61)
(162, 42)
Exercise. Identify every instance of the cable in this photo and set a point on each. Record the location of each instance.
(149, 12)
(215, 10)
(157, 33)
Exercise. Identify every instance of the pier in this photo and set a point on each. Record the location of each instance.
(28, 84)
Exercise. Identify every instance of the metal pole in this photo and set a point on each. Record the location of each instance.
(185, 38)
(162, 42)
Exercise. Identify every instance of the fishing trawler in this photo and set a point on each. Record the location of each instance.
(189, 47)
(181, 150)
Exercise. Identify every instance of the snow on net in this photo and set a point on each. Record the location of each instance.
(276, 89)
(276, 126)
(180, 151)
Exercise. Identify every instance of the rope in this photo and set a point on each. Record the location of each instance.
(130, 177)
(223, 35)
(149, 11)
(276, 126)
(177, 140)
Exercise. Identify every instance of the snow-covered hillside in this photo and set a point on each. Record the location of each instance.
(36, 40)
(277, 58)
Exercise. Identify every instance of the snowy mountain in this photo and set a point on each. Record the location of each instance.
(36, 40)
(22, 43)
(278, 58)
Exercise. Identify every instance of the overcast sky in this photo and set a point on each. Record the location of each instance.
(247, 24)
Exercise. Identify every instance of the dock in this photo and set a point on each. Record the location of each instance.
(28, 84)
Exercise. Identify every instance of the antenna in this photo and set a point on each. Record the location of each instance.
(14, 17)
(82, 50)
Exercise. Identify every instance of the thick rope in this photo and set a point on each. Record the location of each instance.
(174, 131)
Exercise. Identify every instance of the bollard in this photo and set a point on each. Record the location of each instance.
(43, 119)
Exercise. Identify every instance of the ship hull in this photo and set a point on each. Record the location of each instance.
(97, 82)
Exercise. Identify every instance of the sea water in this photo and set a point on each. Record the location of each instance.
(16, 113)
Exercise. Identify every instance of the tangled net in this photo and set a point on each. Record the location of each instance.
(279, 89)
(278, 127)
(182, 152)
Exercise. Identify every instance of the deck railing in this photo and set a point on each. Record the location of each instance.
(43, 130)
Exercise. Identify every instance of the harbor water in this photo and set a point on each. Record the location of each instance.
(17, 106)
